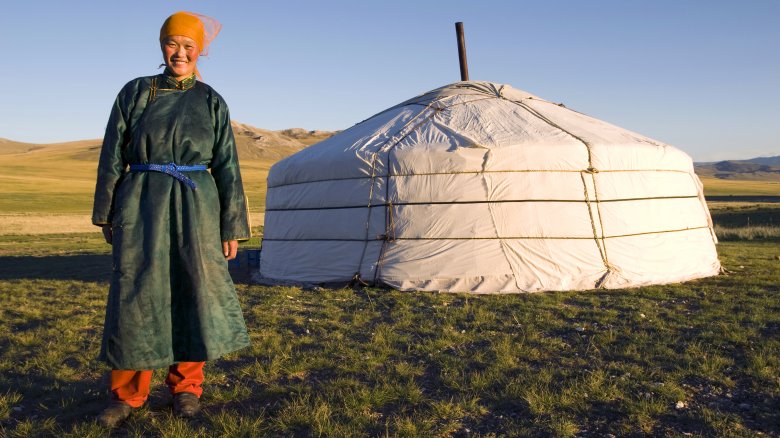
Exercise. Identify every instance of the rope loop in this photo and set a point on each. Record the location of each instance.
(390, 231)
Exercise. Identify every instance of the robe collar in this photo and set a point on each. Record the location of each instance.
(184, 84)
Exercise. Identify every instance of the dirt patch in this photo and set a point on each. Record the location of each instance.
(13, 224)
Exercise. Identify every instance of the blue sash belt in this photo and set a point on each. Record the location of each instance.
(172, 170)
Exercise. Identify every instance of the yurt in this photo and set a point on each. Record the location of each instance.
(478, 187)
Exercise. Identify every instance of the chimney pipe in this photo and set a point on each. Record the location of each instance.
(464, 67)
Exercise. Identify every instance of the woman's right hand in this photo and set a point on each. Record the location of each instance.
(107, 234)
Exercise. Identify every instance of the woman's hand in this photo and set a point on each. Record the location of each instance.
(107, 234)
(230, 249)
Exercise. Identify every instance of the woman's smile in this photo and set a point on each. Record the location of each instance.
(181, 55)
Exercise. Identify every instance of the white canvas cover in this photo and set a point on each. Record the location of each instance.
(478, 187)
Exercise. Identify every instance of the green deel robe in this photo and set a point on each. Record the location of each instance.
(171, 297)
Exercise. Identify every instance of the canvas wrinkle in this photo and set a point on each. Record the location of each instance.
(544, 118)
(488, 197)
(633, 217)
(497, 126)
(371, 190)
(663, 259)
(463, 139)
(313, 164)
(551, 256)
(533, 128)
(535, 269)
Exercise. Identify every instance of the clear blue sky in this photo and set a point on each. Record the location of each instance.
(701, 75)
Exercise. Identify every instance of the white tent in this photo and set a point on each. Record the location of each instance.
(479, 187)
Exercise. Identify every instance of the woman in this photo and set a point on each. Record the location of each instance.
(173, 226)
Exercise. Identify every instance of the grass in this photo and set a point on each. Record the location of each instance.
(747, 233)
(700, 358)
(745, 221)
(62, 180)
(48, 180)
(726, 187)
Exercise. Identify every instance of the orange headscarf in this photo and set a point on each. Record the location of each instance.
(184, 24)
(201, 28)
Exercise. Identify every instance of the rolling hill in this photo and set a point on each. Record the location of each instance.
(771, 161)
(757, 177)
(755, 169)
(252, 144)
(60, 177)
(262, 144)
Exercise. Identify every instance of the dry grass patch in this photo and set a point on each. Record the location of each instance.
(18, 224)
(725, 187)
(45, 223)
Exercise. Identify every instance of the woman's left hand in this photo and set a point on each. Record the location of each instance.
(230, 249)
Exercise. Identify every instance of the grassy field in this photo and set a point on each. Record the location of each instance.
(41, 182)
(694, 359)
(49, 179)
(726, 187)
(745, 221)
(60, 178)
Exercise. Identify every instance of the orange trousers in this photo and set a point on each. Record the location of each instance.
(132, 386)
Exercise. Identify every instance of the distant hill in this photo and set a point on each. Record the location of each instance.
(8, 147)
(252, 144)
(754, 169)
(770, 161)
(262, 144)
(15, 147)
(60, 177)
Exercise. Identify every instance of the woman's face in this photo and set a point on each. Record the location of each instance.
(181, 55)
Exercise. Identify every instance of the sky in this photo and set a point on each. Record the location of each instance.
(703, 75)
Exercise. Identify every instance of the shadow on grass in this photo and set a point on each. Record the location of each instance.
(745, 216)
(70, 402)
(88, 267)
(45, 397)
(83, 267)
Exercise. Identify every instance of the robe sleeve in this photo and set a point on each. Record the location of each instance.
(234, 216)
(111, 166)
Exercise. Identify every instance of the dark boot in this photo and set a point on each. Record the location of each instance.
(114, 414)
(186, 404)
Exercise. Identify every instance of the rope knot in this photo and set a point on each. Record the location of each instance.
(357, 281)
